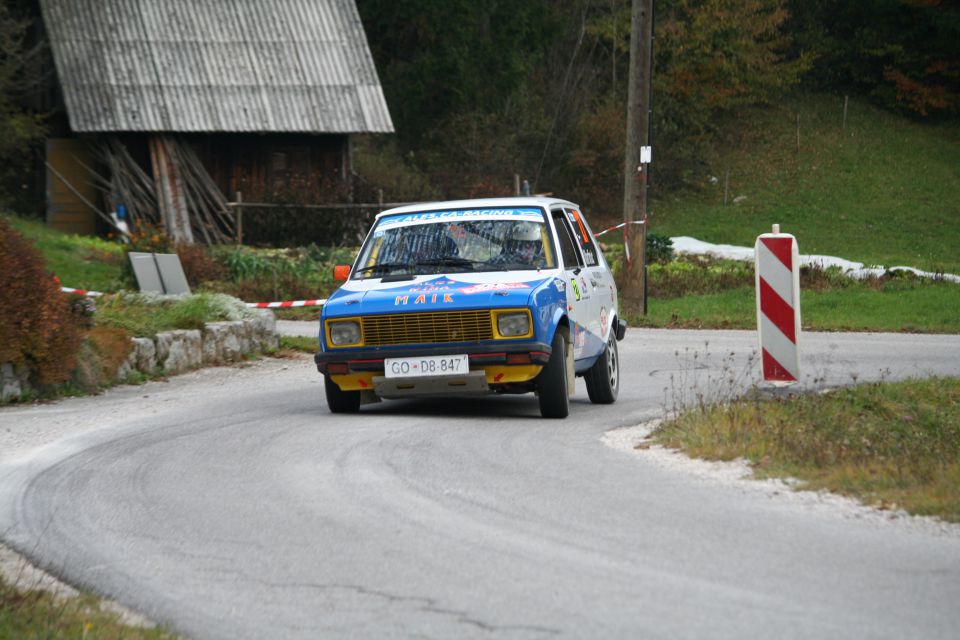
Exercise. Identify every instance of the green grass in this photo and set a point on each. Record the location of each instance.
(81, 262)
(38, 614)
(886, 191)
(146, 315)
(897, 306)
(887, 444)
(299, 343)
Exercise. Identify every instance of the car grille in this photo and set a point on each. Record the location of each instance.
(430, 327)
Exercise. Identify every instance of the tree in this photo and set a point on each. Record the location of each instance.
(901, 53)
(711, 57)
(437, 58)
(21, 128)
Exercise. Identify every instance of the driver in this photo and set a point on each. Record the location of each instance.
(523, 245)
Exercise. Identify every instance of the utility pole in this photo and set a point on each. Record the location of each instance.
(636, 163)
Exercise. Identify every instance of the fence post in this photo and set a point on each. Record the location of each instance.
(516, 184)
(239, 218)
(798, 133)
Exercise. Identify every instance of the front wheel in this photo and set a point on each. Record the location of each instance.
(338, 400)
(603, 378)
(552, 381)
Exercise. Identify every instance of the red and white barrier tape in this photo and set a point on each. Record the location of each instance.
(622, 224)
(286, 304)
(82, 292)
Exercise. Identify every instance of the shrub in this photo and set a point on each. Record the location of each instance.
(261, 275)
(37, 328)
(659, 248)
(102, 353)
(198, 266)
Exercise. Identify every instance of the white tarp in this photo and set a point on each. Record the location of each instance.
(686, 244)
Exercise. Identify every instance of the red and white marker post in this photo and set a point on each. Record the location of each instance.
(778, 305)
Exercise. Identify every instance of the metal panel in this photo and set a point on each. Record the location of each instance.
(159, 272)
(208, 65)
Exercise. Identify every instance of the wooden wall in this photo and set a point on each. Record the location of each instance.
(66, 210)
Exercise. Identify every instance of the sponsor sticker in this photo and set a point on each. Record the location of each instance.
(531, 214)
(493, 286)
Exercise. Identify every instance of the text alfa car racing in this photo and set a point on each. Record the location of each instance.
(503, 295)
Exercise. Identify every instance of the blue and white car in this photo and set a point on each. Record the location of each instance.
(500, 295)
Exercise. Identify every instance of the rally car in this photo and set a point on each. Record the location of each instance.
(500, 295)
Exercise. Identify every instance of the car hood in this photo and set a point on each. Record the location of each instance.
(434, 293)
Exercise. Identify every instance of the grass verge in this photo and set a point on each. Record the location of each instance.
(897, 306)
(301, 344)
(81, 262)
(39, 614)
(839, 193)
(145, 315)
(888, 444)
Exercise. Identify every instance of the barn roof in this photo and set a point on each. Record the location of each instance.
(215, 65)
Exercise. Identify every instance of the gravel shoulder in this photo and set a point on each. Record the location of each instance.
(737, 476)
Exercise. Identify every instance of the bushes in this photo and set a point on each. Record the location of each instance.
(279, 274)
(37, 327)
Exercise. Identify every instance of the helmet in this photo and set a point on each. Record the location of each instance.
(523, 243)
(525, 232)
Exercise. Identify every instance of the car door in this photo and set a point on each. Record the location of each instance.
(598, 277)
(579, 294)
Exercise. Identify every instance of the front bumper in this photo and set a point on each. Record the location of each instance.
(361, 360)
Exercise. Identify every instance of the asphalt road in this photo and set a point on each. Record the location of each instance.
(228, 503)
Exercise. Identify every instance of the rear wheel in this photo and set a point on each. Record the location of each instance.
(603, 378)
(552, 381)
(338, 400)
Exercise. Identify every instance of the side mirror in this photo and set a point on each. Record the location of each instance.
(341, 272)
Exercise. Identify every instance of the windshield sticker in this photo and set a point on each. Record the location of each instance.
(494, 286)
(405, 219)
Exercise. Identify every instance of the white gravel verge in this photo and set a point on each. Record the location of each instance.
(737, 475)
(18, 572)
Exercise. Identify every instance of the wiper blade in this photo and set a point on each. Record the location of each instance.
(451, 260)
(384, 266)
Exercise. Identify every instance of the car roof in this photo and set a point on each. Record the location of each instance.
(478, 203)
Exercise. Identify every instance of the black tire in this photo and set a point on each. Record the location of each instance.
(338, 400)
(552, 381)
(603, 378)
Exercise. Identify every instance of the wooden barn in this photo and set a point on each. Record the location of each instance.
(262, 94)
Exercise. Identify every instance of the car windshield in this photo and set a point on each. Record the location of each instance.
(456, 241)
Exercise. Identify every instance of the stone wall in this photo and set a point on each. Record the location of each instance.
(173, 352)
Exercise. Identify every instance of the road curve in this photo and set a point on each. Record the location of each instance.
(228, 503)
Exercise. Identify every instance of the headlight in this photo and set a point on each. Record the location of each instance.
(513, 324)
(345, 332)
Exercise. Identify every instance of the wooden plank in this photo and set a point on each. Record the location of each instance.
(66, 210)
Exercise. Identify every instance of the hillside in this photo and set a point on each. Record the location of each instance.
(884, 191)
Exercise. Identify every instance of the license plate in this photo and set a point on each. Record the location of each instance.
(426, 366)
